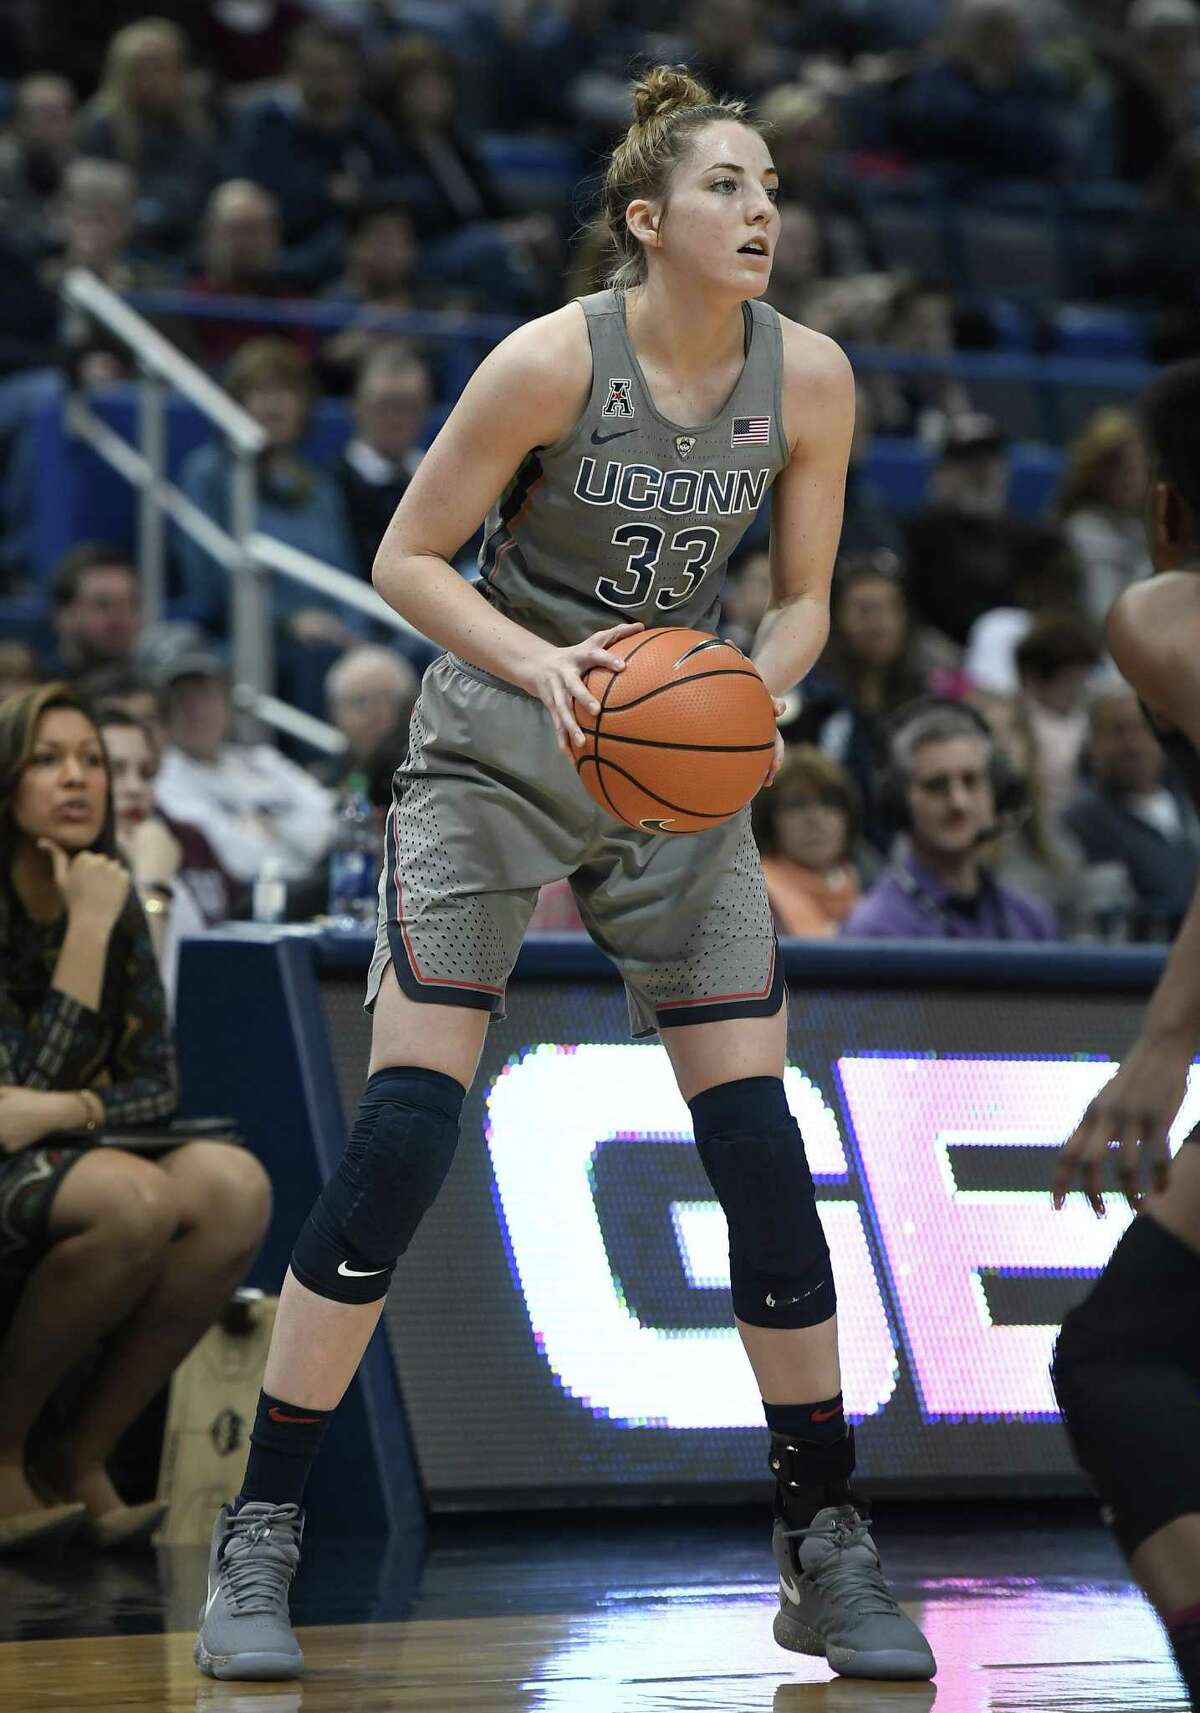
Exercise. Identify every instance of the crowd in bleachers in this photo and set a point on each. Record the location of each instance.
(985, 199)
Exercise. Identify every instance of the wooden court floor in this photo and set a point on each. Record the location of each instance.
(1037, 1619)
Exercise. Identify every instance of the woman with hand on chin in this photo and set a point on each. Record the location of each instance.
(99, 1246)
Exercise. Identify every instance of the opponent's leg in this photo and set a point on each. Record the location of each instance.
(399, 1152)
(833, 1599)
(1127, 1373)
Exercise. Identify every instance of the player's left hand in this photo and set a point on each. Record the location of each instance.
(777, 759)
(1134, 1111)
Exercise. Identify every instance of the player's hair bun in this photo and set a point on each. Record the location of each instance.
(667, 89)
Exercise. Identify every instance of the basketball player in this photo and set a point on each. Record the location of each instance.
(631, 436)
(1127, 1363)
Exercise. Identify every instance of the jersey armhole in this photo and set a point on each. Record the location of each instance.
(566, 441)
(771, 319)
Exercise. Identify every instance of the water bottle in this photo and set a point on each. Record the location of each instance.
(354, 859)
(270, 891)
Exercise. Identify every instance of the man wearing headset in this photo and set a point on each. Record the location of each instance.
(951, 791)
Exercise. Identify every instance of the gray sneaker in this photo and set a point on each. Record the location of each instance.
(245, 1631)
(833, 1600)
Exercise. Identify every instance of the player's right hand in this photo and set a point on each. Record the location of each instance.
(92, 885)
(1133, 1112)
(556, 678)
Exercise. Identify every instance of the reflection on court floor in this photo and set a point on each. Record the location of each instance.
(1001, 1648)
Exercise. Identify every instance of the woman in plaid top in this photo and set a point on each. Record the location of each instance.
(99, 1247)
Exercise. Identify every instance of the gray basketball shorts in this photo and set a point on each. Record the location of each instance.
(487, 809)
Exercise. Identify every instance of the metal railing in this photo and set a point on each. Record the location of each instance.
(247, 556)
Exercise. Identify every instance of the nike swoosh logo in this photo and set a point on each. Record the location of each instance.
(213, 1592)
(774, 1302)
(792, 1593)
(599, 439)
(277, 1415)
(354, 1273)
(826, 1415)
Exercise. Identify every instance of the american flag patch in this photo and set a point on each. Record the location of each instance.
(750, 431)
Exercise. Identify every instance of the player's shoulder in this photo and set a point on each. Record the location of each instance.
(814, 357)
(818, 383)
(1153, 633)
(552, 351)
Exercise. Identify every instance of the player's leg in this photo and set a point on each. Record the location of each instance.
(689, 924)
(833, 1599)
(1127, 1374)
(465, 854)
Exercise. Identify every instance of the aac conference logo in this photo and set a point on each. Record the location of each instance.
(913, 1236)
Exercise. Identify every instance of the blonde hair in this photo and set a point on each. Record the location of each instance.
(669, 107)
(114, 99)
(1090, 455)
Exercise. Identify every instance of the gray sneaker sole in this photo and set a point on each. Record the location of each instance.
(893, 1663)
(248, 1667)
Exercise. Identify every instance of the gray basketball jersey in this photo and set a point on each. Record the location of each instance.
(631, 516)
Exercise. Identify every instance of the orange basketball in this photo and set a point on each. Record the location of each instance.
(684, 736)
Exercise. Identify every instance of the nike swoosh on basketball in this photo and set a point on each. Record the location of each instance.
(277, 1415)
(354, 1273)
(599, 439)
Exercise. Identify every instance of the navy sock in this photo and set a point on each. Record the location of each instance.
(822, 1423)
(284, 1442)
(812, 1456)
(1183, 1628)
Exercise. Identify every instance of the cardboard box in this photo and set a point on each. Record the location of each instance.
(210, 1412)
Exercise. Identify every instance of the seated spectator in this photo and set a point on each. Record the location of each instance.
(804, 288)
(241, 246)
(966, 554)
(34, 155)
(162, 867)
(805, 146)
(96, 610)
(297, 502)
(930, 397)
(316, 146)
(132, 691)
(807, 825)
(391, 403)
(1101, 502)
(99, 1247)
(1165, 264)
(866, 672)
(249, 800)
(145, 114)
(469, 235)
(943, 778)
(380, 280)
(729, 44)
(1128, 810)
(1054, 661)
(986, 108)
(1156, 89)
(1042, 583)
(248, 44)
(1031, 853)
(370, 692)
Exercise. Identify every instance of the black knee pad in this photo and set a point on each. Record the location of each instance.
(395, 1163)
(1126, 1372)
(751, 1149)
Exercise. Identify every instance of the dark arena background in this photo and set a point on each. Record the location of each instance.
(251, 254)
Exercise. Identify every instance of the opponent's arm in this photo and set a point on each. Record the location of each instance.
(806, 514)
(1154, 636)
(525, 394)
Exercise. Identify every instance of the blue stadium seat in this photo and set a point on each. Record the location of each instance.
(899, 467)
(1035, 474)
(533, 172)
(1117, 335)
